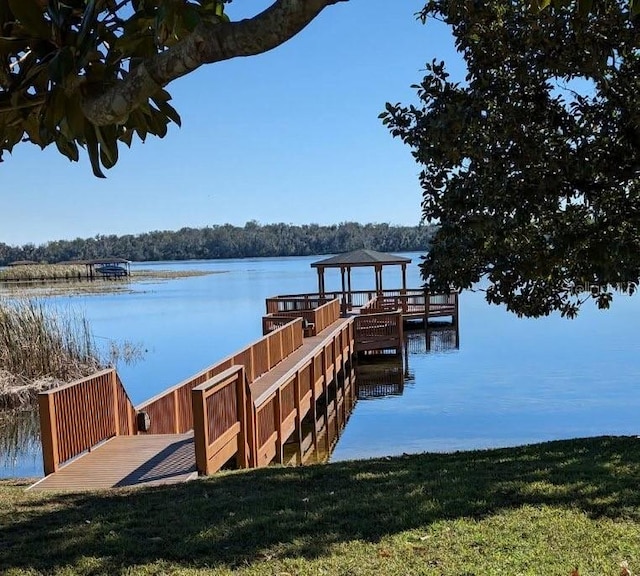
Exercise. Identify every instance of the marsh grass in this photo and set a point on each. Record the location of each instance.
(43, 272)
(40, 347)
(38, 341)
(73, 286)
(540, 510)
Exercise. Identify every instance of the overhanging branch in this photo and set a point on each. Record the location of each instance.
(208, 43)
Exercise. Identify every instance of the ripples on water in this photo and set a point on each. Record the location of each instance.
(512, 381)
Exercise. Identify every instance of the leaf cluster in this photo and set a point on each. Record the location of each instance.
(531, 165)
(55, 54)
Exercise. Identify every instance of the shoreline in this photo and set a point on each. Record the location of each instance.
(74, 287)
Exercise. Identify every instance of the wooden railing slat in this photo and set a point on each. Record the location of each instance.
(77, 416)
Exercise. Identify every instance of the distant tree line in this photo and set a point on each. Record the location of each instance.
(227, 241)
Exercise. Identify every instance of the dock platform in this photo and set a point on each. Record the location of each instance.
(123, 461)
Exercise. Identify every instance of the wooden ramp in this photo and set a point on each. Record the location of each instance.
(142, 460)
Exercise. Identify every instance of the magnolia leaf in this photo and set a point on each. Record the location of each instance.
(67, 148)
(584, 6)
(93, 149)
(30, 15)
(88, 21)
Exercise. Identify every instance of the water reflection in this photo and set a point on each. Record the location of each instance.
(19, 436)
(380, 378)
(440, 338)
(322, 427)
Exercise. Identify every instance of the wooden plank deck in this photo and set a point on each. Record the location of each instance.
(142, 460)
(265, 385)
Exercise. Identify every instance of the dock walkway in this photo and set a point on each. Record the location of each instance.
(154, 459)
(123, 461)
(264, 385)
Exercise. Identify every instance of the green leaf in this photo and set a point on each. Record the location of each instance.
(67, 148)
(88, 20)
(30, 15)
(108, 145)
(169, 111)
(93, 150)
(127, 136)
(585, 6)
(10, 45)
(61, 65)
(55, 109)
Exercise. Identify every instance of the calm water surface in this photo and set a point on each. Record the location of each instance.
(512, 381)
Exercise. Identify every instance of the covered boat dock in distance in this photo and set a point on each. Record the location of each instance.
(110, 267)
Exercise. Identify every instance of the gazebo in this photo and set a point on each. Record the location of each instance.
(360, 259)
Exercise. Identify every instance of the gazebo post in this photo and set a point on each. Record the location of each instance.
(361, 258)
(344, 295)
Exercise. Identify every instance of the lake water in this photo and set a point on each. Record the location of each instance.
(512, 381)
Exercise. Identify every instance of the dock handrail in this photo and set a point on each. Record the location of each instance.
(220, 424)
(171, 411)
(357, 298)
(278, 304)
(276, 410)
(315, 319)
(80, 415)
(379, 331)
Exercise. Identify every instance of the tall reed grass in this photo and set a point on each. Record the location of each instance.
(43, 273)
(40, 347)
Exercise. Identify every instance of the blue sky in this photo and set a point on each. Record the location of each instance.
(292, 136)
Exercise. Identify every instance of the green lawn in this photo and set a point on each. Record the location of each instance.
(539, 510)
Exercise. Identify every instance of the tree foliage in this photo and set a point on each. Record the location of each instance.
(227, 241)
(531, 165)
(91, 73)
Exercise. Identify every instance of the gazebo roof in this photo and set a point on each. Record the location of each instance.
(360, 258)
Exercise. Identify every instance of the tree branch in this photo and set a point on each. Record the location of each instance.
(208, 43)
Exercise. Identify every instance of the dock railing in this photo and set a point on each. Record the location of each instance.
(296, 302)
(379, 331)
(278, 411)
(355, 299)
(231, 411)
(443, 304)
(220, 424)
(76, 417)
(413, 302)
(171, 411)
(316, 319)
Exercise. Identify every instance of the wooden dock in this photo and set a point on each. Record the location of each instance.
(124, 461)
(245, 407)
(281, 399)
